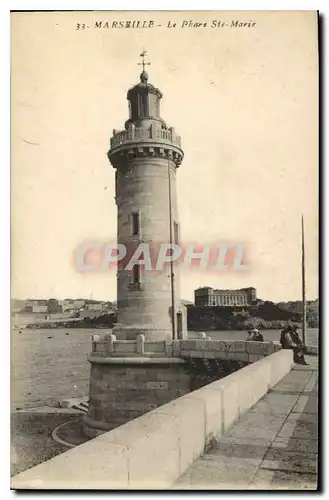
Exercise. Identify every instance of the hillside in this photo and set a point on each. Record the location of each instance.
(312, 310)
(265, 315)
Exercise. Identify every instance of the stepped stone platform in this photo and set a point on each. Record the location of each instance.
(273, 446)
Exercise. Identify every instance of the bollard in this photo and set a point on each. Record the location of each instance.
(110, 343)
(94, 339)
(168, 346)
(175, 347)
(140, 344)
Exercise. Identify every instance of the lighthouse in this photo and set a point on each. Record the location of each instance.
(146, 156)
(134, 369)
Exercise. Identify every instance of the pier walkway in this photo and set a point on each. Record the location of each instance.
(273, 446)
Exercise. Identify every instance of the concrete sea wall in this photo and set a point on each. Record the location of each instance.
(153, 450)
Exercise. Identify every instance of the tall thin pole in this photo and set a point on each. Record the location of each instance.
(172, 276)
(303, 285)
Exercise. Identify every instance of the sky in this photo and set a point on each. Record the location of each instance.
(243, 100)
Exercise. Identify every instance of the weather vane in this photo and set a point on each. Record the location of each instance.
(143, 63)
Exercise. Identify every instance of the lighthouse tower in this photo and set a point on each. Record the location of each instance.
(134, 369)
(146, 156)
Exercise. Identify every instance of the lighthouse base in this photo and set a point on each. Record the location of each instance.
(131, 333)
(122, 389)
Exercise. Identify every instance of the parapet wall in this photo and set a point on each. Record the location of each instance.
(205, 348)
(313, 350)
(153, 450)
(153, 133)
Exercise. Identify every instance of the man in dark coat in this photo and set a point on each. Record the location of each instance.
(290, 340)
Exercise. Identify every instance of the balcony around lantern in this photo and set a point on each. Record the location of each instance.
(154, 132)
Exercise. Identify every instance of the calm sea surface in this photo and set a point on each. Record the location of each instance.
(44, 370)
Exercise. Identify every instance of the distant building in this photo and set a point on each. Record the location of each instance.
(17, 305)
(39, 309)
(74, 305)
(207, 296)
(54, 306)
(36, 302)
(251, 294)
(78, 304)
(90, 314)
(94, 307)
(313, 306)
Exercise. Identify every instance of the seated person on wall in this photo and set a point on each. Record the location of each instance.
(250, 336)
(255, 336)
(258, 337)
(290, 340)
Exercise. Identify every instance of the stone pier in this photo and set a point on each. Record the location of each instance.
(132, 377)
(155, 450)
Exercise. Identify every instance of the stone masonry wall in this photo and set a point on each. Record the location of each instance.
(119, 393)
(143, 186)
(206, 371)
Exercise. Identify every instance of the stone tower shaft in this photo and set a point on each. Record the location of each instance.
(146, 155)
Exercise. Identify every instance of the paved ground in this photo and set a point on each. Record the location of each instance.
(273, 446)
(31, 437)
(72, 433)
